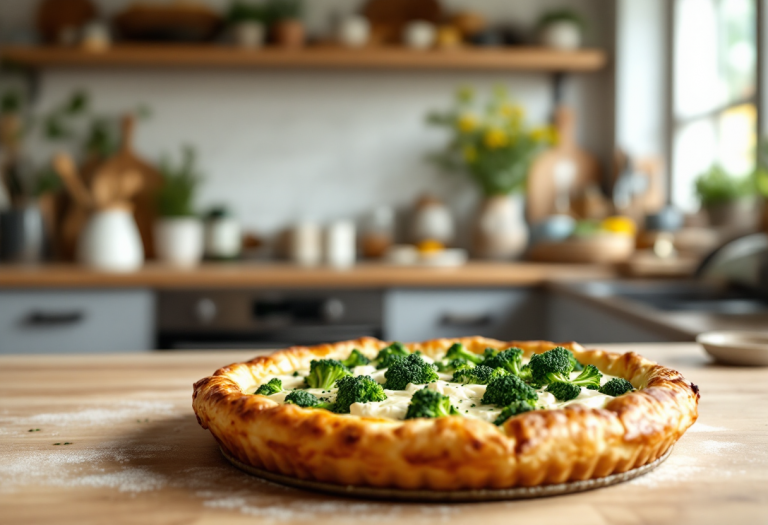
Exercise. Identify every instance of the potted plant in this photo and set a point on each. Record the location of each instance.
(179, 232)
(284, 17)
(491, 143)
(728, 199)
(246, 23)
(561, 29)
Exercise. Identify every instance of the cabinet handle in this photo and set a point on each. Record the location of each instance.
(45, 319)
(466, 320)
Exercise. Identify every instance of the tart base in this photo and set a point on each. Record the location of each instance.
(447, 496)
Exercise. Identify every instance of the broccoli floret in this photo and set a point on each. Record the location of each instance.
(305, 399)
(589, 377)
(550, 367)
(412, 369)
(577, 367)
(480, 375)
(564, 391)
(323, 373)
(510, 359)
(489, 353)
(505, 390)
(457, 351)
(446, 365)
(513, 409)
(360, 389)
(273, 386)
(616, 387)
(356, 358)
(525, 373)
(387, 356)
(428, 403)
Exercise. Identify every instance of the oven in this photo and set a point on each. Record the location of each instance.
(233, 318)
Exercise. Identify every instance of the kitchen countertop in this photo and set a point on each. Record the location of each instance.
(137, 454)
(371, 275)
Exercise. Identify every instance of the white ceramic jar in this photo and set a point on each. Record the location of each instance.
(353, 31)
(179, 241)
(223, 238)
(111, 242)
(340, 244)
(419, 34)
(564, 35)
(249, 35)
(306, 244)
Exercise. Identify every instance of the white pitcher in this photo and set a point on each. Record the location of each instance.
(111, 241)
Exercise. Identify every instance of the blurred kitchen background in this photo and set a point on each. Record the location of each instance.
(259, 173)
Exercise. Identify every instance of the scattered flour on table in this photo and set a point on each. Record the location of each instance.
(97, 416)
(701, 427)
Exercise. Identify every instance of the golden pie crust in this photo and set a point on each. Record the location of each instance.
(451, 453)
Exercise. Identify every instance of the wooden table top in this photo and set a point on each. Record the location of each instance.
(137, 454)
(288, 275)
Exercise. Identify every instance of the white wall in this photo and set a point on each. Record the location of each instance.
(278, 145)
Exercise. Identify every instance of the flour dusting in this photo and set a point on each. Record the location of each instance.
(126, 410)
(701, 427)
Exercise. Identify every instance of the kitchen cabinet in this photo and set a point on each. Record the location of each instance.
(574, 319)
(76, 321)
(421, 314)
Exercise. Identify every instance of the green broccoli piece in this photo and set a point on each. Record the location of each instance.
(513, 409)
(446, 365)
(387, 356)
(589, 377)
(525, 373)
(457, 351)
(480, 375)
(428, 403)
(616, 387)
(564, 391)
(356, 358)
(412, 369)
(550, 367)
(510, 360)
(577, 367)
(489, 353)
(273, 386)
(505, 390)
(360, 389)
(304, 399)
(323, 373)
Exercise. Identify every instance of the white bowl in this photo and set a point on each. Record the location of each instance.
(736, 348)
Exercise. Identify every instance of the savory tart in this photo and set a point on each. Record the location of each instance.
(447, 414)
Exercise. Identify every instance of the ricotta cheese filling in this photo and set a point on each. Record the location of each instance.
(465, 398)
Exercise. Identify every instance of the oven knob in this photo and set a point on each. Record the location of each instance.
(206, 310)
(333, 310)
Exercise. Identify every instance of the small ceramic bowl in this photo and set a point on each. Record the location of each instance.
(736, 348)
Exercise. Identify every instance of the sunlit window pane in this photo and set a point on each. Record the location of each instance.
(695, 151)
(736, 147)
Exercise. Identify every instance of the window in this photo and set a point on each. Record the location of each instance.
(715, 91)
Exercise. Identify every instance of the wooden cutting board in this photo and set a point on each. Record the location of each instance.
(123, 164)
(541, 179)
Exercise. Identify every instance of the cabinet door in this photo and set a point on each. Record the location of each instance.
(63, 321)
(418, 315)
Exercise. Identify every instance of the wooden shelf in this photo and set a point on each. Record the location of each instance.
(487, 59)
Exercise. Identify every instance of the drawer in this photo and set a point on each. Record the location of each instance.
(417, 315)
(63, 321)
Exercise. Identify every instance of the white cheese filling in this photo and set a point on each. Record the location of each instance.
(465, 398)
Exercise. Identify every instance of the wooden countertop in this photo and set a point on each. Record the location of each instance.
(286, 275)
(137, 454)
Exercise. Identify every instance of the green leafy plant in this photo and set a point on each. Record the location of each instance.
(180, 183)
(280, 10)
(489, 141)
(242, 11)
(716, 186)
(562, 15)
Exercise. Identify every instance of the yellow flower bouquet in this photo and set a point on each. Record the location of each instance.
(491, 142)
